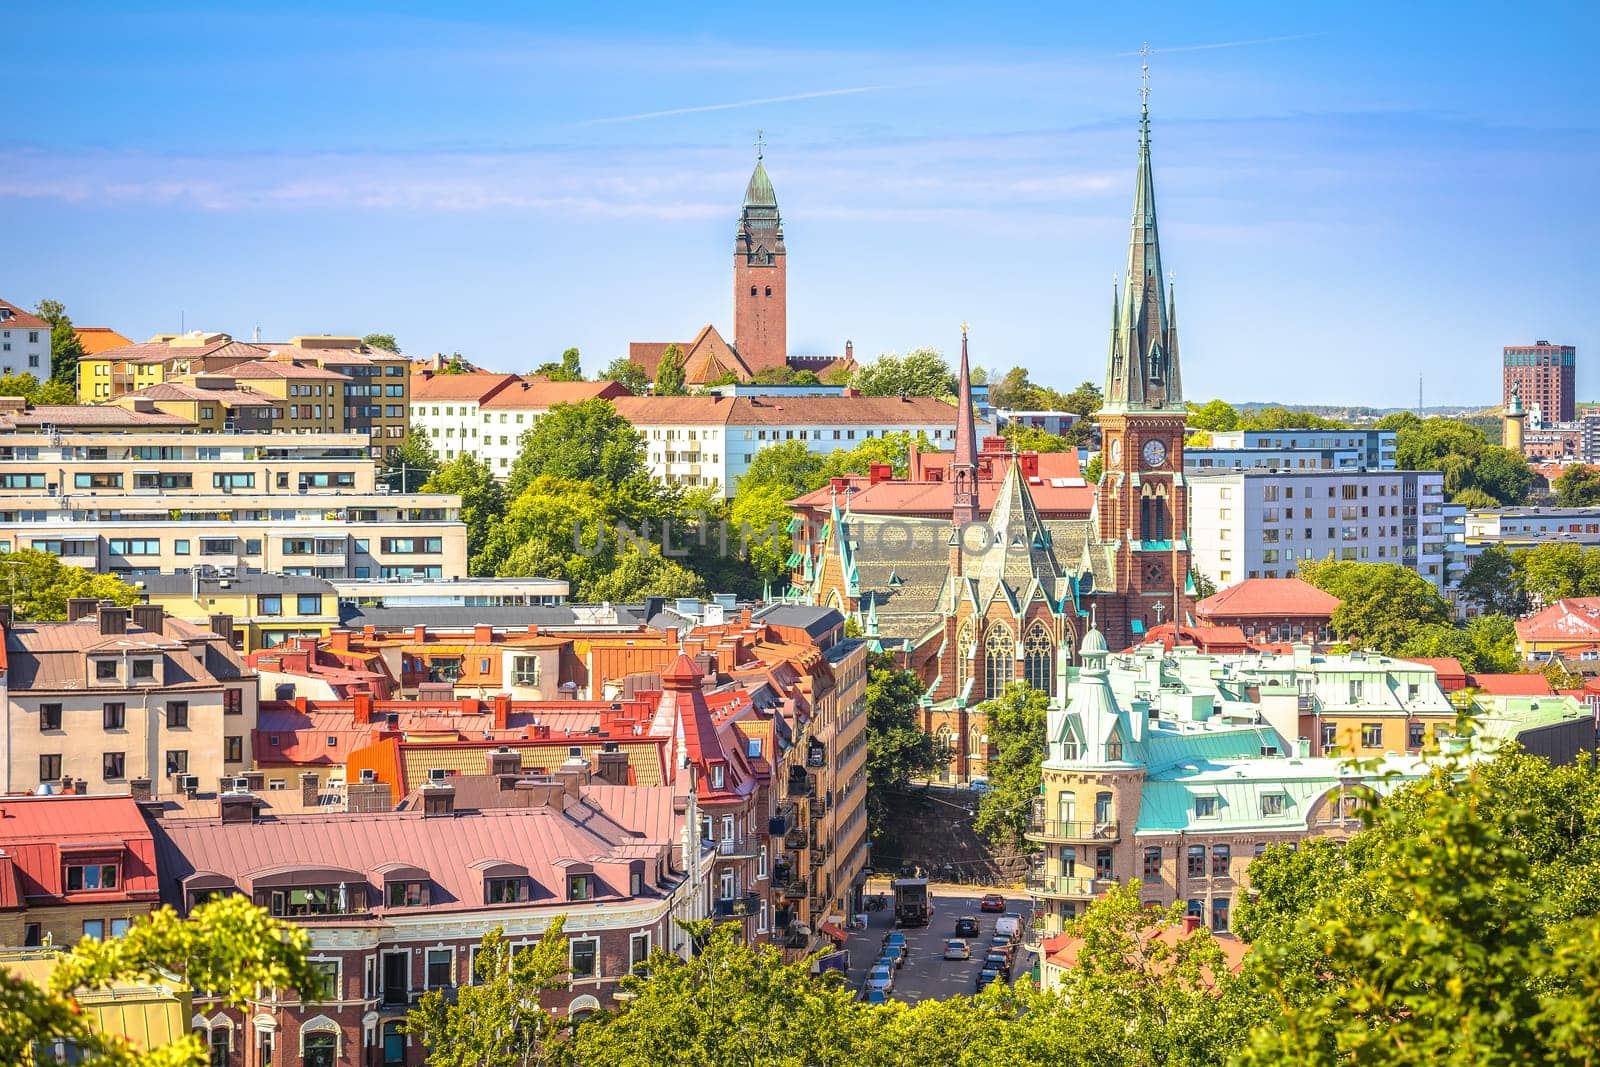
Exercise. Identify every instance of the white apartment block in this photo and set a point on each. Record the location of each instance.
(24, 342)
(486, 414)
(153, 502)
(1262, 524)
(711, 441)
(1526, 527)
(1296, 450)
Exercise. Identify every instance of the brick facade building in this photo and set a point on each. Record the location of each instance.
(1547, 377)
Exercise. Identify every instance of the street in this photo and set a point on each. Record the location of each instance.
(927, 974)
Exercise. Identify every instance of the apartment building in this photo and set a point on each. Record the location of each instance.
(263, 610)
(139, 504)
(1179, 768)
(1527, 527)
(1263, 523)
(377, 388)
(1296, 450)
(113, 696)
(208, 403)
(712, 440)
(397, 902)
(24, 342)
(71, 867)
(485, 414)
(109, 374)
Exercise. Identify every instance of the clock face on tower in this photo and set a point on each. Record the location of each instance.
(1116, 452)
(1155, 453)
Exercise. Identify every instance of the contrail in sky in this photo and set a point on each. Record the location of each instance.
(1225, 44)
(731, 106)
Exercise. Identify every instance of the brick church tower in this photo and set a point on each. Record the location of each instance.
(1143, 502)
(760, 290)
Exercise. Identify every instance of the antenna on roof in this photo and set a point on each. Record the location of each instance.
(255, 335)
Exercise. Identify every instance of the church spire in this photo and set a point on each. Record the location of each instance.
(1142, 372)
(964, 464)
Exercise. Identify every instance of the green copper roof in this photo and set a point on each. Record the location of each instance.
(759, 192)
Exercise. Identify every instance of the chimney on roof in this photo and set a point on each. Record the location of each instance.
(80, 607)
(113, 620)
(238, 807)
(438, 799)
(501, 705)
(574, 775)
(139, 788)
(505, 761)
(540, 793)
(1191, 923)
(310, 789)
(366, 797)
(483, 634)
(361, 708)
(222, 626)
(419, 634)
(339, 640)
(612, 767)
(149, 617)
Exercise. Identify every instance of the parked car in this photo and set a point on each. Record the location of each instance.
(1009, 925)
(997, 961)
(880, 977)
(889, 960)
(992, 902)
(979, 785)
(1003, 945)
(967, 926)
(957, 949)
(895, 944)
(875, 996)
(986, 977)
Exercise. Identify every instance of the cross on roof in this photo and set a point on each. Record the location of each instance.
(760, 144)
(1144, 75)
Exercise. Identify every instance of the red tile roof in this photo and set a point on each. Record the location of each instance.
(479, 386)
(1575, 619)
(70, 415)
(1218, 639)
(1511, 685)
(1058, 489)
(35, 831)
(282, 368)
(539, 394)
(1062, 950)
(869, 411)
(183, 391)
(1271, 598)
(97, 339)
(1451, 674)
(20, 319)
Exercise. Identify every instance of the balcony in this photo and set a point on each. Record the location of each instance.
(801, 784)
(782, 875)
(781, 823)
(796, 838)
(819, 854)
(736, 848)
(1071, 832)
(738, 907)
(1066, 886)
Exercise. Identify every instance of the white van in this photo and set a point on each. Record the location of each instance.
(1008, 925)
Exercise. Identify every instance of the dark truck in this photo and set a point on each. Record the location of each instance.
(911, 906)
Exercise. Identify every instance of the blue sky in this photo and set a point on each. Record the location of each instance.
(1348, 199)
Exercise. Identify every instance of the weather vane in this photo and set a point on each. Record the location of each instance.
(760, 144)
(1144, 75)
(964, 329)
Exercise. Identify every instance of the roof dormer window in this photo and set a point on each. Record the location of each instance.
(718, 776)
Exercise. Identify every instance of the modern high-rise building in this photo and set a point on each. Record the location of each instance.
(1546, 374)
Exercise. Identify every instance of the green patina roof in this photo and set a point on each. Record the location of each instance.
(759, 192)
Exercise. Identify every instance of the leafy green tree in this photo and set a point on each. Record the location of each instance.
(588, 441)
(760, 510)
(1578, 487)
(1084, 400)
(39, 585)
(1034, 439)
(569, 369)
(411, 464)
(1557, 570)
(628, 374)
(497, 1020)
(1094, 470)
(728, 1005)
(920, 372)
(1016, 721)
(383, 341)
(669, 373)
(228, 946)
(898, 748)
(1439, 939)
(1487, 644)
(65, 347)
(1213, 415)
(892, 448)
(1381, 604)
(49, 392)
(1276, 417)
(483, 502)
(1203, 586)
(1494, 582)
(1465, 456)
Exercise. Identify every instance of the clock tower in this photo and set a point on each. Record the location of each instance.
(1142, 502)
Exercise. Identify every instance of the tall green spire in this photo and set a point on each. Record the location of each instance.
(1142, 367)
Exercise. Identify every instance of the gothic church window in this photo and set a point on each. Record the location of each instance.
(999, 653)
(1037, 658)
(964, 651)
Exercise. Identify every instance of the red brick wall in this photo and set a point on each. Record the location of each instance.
(760, 322)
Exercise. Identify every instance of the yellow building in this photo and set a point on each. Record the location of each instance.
(213, 403)
(312, 397)
(148, 1013)
(265, 609)
(109, 374)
